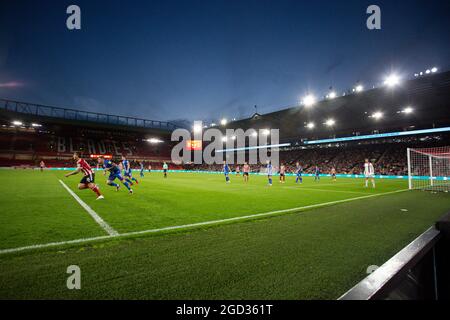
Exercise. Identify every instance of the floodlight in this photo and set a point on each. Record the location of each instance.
(358, 88)
(17, 123)
(377, 115)
(310, 125)
(408, 110)
(154, 140)
(330, 122)
(197, 128)
(392, 80)
(332, 95)
(223, 122)
(309, 100)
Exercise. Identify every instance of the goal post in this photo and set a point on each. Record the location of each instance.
(429, 168)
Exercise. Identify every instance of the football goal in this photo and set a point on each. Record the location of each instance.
(429, 169)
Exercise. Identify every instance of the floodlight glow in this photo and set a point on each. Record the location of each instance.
(332, 95)
(213, 125)
(224, 139)
(233, 137)
(392, 80)
(266, 132)
(434, 70)
(17, 123)
(36, 125)
(408, 110)
(197, 128)
(377, 115)
(254, 134)
(223, 122)
(309, 100)
(330, 122)
(154, 140)
(428, 71)
(359, 88)
(310, 125)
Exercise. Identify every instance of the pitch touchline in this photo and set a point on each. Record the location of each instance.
(192, 225)
(109, 230)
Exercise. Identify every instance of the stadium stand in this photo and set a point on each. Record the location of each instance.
(58, 132)
(35, 137)
(427, 96)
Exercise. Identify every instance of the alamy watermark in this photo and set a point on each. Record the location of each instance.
(74, 280)
(374, 20)
(235, 146)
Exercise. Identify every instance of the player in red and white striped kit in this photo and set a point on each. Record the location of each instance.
(88, 180)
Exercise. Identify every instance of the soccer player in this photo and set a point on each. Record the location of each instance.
(238, 170)
(317, 174)
(149, 168)
(142, 169)
(88, 180)
(269, 172)
(369, 172)
(226, 172)
(246, 170)
(282, 173)
(333, 174)
(298, 172)
(42, 165)
(114, 173)
(165, 169)
(127, 172)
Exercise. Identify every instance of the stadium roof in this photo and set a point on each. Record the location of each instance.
(15, 110)
(421, 103)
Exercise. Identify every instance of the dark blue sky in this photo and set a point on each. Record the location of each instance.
(210, 59)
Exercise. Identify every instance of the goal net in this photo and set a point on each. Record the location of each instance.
(429, 169)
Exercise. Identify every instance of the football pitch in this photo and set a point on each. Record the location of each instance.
(191, 236)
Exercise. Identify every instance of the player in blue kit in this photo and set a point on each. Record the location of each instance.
(298, 172)
(141, 164)
(114, 173)
(317, 174)
(127, 172)
(269, 172)
(226, 171)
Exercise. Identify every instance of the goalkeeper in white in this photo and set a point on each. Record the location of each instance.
(369, 172)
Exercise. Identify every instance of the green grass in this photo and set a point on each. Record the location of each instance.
(317, 253)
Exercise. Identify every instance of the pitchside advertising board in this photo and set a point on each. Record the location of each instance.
(105, 156)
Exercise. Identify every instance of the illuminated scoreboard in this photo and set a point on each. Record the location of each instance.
(194, 145)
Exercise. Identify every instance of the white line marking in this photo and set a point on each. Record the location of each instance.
(324, 190)
(92, 213)
(192, 225)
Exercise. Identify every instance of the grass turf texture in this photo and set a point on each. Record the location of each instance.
(319, 253)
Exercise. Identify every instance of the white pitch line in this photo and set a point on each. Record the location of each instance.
(109, 230)
(324, 190)
(192, 225)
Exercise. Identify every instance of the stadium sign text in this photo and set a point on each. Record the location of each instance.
(212, 146)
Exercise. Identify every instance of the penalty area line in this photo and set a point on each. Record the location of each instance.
(109, 230)
(193, 225)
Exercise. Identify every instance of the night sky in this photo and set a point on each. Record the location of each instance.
(169, 60)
